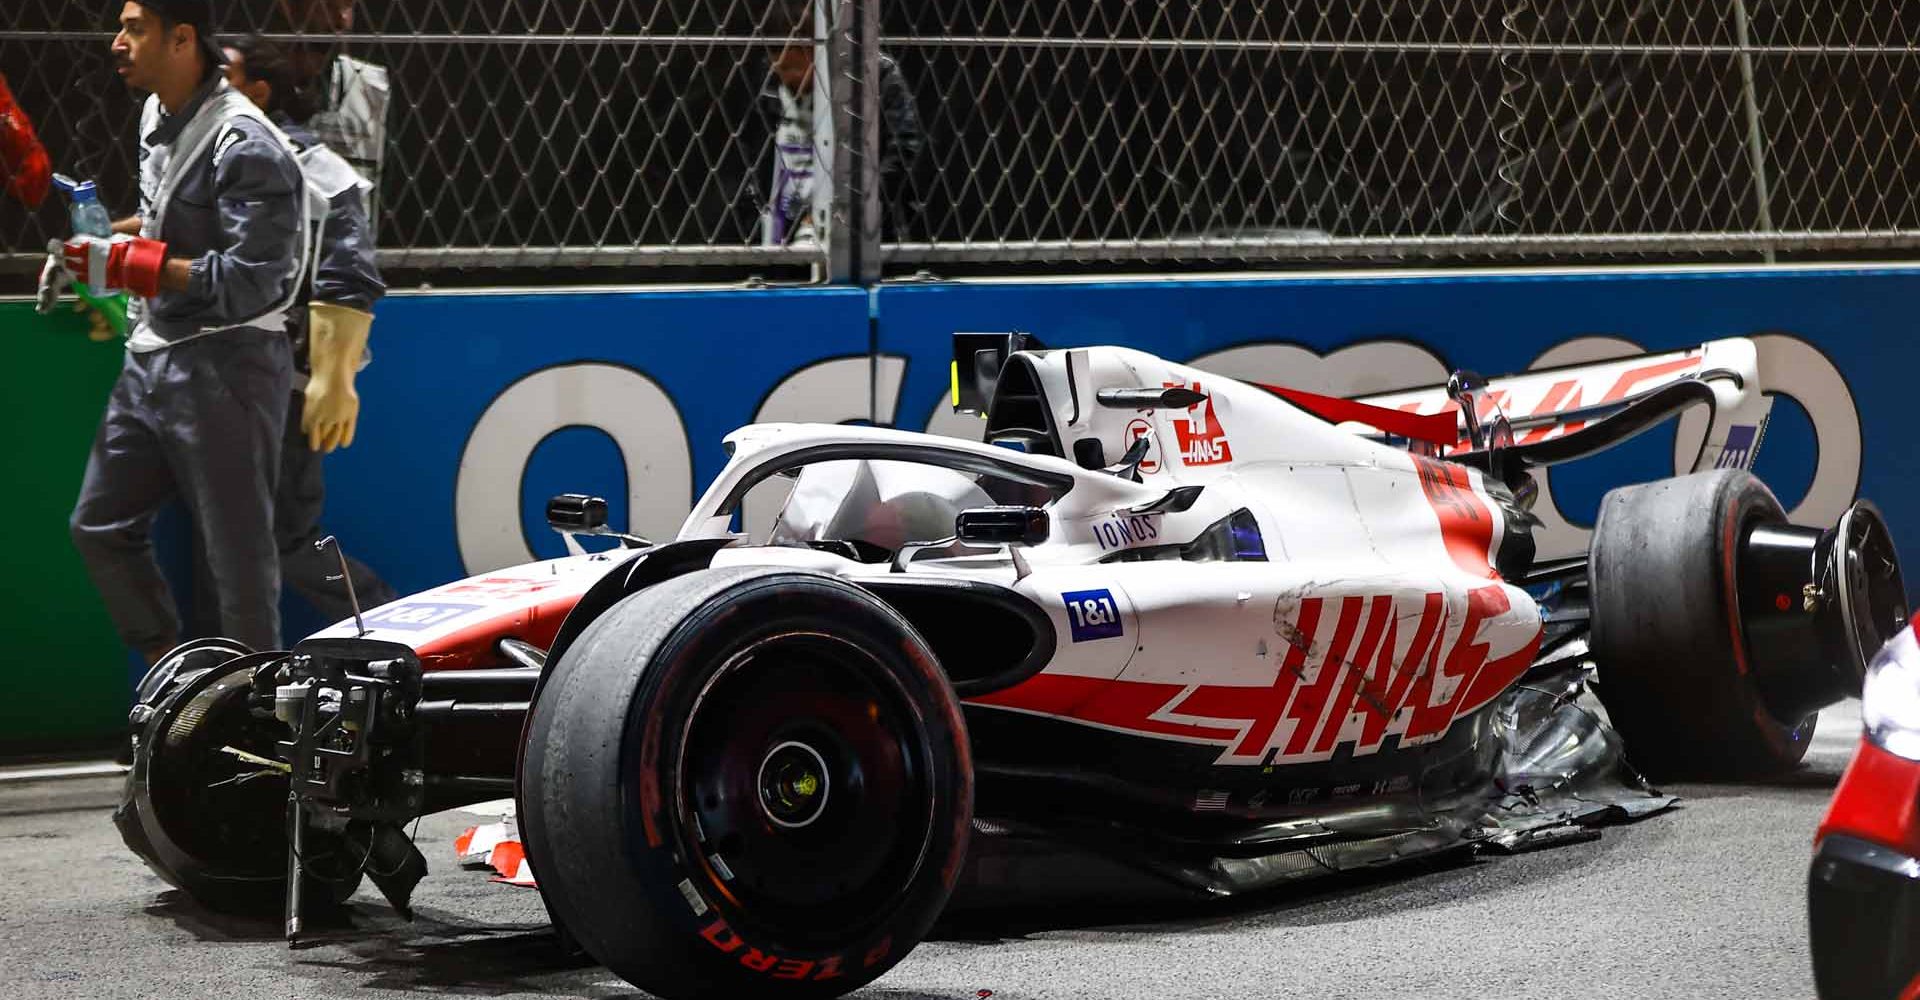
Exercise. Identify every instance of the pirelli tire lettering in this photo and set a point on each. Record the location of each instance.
(776, 966)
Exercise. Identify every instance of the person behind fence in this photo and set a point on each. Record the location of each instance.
(349, 96)
(329, 338)
(213, 260)
(801, 187)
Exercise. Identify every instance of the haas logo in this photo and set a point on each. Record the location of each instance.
(1202, 440)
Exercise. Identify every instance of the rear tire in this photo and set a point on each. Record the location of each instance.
(1674, 670)
(747, 782)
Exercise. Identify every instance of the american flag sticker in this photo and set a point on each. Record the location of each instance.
(1210, 801)
(1738, 453)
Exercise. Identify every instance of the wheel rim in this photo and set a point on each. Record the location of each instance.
(226, 815)
(795, 785)
(1870, 589)
(198, 654)
(804, 794)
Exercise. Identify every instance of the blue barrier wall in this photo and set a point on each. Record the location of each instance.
(622, 394)
(480, 406)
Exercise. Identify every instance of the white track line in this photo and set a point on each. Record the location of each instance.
(55, 772)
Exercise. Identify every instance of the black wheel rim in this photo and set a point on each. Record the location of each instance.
(227, 814)
(1868, 586)
(804, 792)
(199, 654)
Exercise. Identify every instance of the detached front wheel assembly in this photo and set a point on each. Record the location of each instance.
(203, 804)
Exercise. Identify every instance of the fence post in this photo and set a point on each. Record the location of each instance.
(868, 129)
(853, 232)
(1756, 147)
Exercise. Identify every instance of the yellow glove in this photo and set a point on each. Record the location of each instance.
(336, 338)
(98, 327)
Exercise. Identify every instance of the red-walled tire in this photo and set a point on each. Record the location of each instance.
(1674, 671)
(747, 782)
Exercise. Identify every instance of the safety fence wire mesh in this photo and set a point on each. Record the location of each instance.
(530, 136)
(526, 133)
(1526, 129)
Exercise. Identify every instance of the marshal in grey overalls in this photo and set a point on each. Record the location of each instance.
(201, 400)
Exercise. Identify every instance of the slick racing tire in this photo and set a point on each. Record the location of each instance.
(220, 840)
(1674, 669)
(747, 782)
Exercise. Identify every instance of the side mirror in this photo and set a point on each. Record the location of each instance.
(1003, 525)
(576, 512)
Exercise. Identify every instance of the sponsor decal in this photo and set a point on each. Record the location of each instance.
(415, 616)
(1137, 429)
(1568, 394)
(1126, 530)
(1092, 614)
(1357, 670)
(1210, 800)
(1393, 786)
(497, 588)
(1738, 453)
(1202, 440)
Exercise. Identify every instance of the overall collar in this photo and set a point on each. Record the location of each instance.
(171, 125)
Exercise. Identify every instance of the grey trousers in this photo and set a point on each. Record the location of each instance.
(312, 574)
(201, 420)
(309, 572)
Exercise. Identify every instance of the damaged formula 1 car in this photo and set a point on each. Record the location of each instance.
(1219, 634)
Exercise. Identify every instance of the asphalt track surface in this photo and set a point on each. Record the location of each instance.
(1707, 900)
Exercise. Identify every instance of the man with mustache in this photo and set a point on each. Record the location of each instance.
(213, 261)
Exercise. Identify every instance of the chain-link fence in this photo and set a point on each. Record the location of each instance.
(1251, 129)
(526, 134)
(691, 132)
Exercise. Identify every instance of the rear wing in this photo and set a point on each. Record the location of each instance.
(1714, 387)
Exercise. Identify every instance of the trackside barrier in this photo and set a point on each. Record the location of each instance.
(63, 675)
(480, 406)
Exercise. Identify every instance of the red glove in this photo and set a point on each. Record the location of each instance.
(108, 265)
(24, 167)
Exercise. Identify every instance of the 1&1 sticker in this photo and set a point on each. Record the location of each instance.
(414, 616)
(1092, 614)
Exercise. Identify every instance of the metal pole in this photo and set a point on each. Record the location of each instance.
(867, 128)
(853, 233)
(1756, 148)
(842, 89)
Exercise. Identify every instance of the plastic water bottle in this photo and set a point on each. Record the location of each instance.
(90, 218)
(88, 215)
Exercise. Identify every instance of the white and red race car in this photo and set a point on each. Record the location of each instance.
(1216, 634)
